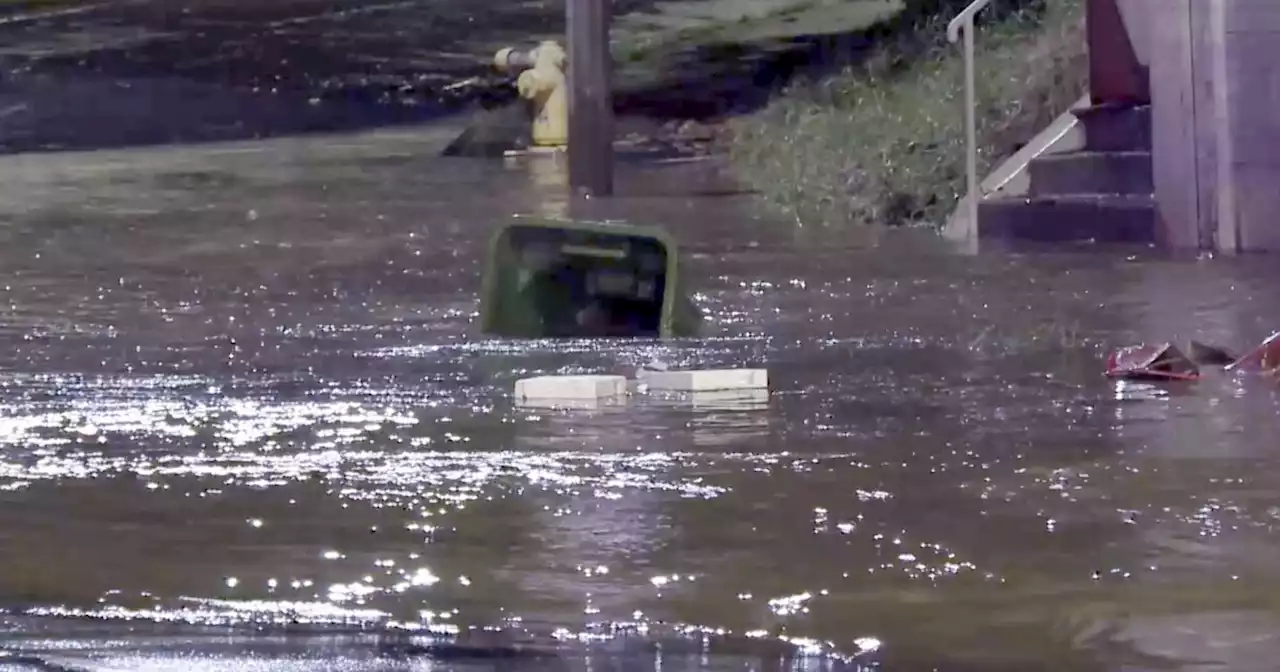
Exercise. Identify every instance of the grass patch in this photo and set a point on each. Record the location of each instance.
(731, 22)
(883, 141)
(649, 46)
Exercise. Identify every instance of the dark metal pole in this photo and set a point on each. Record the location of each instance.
(590, 97)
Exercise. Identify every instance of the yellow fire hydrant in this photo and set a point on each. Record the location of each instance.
(542, 82)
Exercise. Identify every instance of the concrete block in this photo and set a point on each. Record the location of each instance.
(1060, 219)
(1252, 16)
(571, 390)
(1091, 173)
(1116, 129)
(704, 380)
(1257, 201)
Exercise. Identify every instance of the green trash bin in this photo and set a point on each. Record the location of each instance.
(554, 279)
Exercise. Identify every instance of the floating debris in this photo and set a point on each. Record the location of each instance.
(1151, 362)
(1165, 361)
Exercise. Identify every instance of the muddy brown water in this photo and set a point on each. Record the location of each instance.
(246, 422)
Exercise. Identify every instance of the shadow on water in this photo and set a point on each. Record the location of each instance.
(246, 421)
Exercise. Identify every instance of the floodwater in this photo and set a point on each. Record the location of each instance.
(120, 73)
(129, 72)
(247, 423)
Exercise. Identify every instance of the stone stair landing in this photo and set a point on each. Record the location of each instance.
(1100, 193)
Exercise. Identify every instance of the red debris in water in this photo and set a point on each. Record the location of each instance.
(1151, 362)
(1263, 359)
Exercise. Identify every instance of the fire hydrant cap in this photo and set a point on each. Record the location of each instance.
(552, 53)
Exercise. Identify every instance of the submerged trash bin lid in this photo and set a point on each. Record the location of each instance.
(1263, 359)
(547, 278)
(1161, 361)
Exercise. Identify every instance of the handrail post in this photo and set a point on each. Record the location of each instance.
(971, 125)
(964, 23)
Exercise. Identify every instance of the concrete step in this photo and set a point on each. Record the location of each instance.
(1091, 173)
(1058, 219)
(1116, 128)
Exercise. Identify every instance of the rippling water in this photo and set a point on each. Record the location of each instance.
(246, 422)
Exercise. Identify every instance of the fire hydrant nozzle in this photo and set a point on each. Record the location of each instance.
(510, 60)
(542, 82)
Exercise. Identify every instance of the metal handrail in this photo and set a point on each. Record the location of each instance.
(964, 22)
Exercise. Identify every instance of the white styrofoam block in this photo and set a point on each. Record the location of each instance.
(570, 404)
(740, 399)
(719, 400)
(705, 380)
(569, 388)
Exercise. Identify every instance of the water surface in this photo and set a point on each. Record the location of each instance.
(246, 420)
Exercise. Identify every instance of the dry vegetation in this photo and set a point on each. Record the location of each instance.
(883, 142)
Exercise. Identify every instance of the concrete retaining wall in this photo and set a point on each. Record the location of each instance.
(1252, 124)
(1215, 92)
